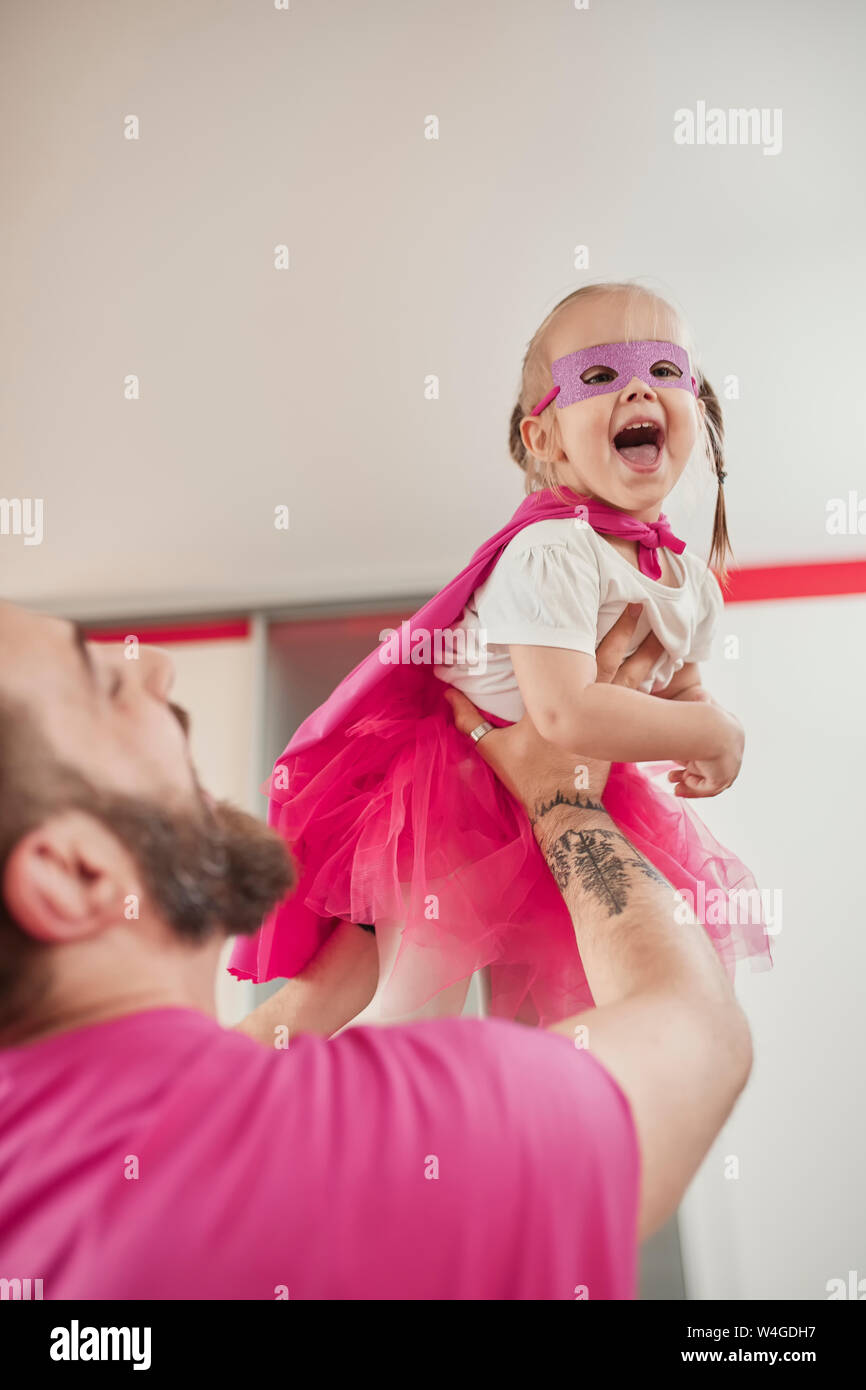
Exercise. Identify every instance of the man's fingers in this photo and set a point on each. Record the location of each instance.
(501, 749)
(612, 664)
(635, 669)
(614, 645)
(466, 716)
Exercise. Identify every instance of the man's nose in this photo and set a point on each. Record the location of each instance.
(156, 671)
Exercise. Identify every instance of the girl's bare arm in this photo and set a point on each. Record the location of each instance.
(572, 711)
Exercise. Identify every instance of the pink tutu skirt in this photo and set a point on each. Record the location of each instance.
(427, 844)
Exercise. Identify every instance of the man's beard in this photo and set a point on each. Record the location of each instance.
(207, 869)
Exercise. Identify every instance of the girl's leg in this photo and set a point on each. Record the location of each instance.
(338, 982)
(484, 990)
(448, 1003)
(526, 1012)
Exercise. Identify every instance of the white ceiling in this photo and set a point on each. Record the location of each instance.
(407, 257)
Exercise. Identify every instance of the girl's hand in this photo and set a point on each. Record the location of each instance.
(713, 774)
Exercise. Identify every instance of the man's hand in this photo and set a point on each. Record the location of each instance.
(684, 684)
(538, 773)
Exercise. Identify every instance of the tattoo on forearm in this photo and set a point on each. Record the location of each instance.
(583, 803)
(602, 862)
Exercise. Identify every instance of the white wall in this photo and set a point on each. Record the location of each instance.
(796, 1216)
(408, 256)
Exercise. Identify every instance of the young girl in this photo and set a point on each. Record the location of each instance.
(394, 819)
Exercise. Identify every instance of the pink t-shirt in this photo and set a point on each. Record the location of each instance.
(159, 1155)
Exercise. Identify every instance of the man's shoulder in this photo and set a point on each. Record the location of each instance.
(440, 1054)
(471, 1081)
(494, 1052)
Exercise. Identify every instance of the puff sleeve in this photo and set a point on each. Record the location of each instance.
(710, 605)
(544, 594)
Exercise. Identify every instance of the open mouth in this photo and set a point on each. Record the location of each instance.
(639, 445)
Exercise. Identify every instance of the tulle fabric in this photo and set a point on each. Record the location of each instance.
(398, 821)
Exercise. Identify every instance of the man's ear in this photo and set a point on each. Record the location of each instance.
(68, 879)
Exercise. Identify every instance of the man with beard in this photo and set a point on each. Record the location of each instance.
(147, 1152)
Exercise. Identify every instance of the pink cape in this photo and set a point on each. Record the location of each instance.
(395, 819)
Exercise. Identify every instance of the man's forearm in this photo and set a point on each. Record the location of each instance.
(622, 908)
(666, 1024)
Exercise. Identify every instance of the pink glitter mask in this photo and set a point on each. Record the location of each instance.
(615, 365)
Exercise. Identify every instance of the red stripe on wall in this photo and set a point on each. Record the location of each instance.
(796, 581)
(755, 585)
(184, 632)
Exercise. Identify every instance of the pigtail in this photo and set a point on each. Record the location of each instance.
(714, 431)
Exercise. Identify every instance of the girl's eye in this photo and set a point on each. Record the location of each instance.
(667, 367)
(593, 375)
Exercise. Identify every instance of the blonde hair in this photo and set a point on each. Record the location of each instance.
(536, 381)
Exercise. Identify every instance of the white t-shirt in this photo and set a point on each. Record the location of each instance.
(561, 584)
